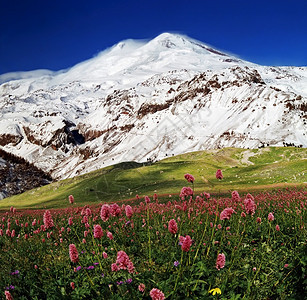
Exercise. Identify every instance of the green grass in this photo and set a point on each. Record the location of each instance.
(243, 169)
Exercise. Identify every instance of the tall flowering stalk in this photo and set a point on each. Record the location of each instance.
(71, 199)
(48, 221)
(172, 226)
(190, 178)
(73, 253)
(148, 235)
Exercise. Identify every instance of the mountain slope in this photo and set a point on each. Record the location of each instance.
(244, 170)
(142, 100)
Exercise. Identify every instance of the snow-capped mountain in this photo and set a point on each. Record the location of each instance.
(143, 100)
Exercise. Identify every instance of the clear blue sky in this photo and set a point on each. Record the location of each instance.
(56, 34)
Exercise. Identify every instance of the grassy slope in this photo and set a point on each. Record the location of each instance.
(242, 169)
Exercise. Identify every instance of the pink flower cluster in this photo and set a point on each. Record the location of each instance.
(249, 204)
(186, 191)
(71, 199)
(105, 212)
(48, 221)
(73, 253)
(186, 243)
(226, 213)
(129, 211)
(220, 261)
(189, 177)
(271, 217)
(123, 262)
(172, 226)
(98, 233)
(156, 294)
(219, 174)
(235, 196)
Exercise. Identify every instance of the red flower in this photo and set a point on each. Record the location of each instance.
(189, 177)
(123, 262)
(129, 211)
(271, 217)
(115, 210)
(249, 204)
(226, 213)
(110, 235)
(219, 174)
(235, 196)
(73, 253)
(105, 212)
(71, 199)
(220, 261)
(186, 243)
(98, 233)
(48, 222)
(186, 191)
(141, 287)
(156, 294)
(172, 226)
(8, 295)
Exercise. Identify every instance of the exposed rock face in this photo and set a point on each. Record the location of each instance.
(17, 175)
(146, 101)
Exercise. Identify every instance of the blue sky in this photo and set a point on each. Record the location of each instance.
(58, 34)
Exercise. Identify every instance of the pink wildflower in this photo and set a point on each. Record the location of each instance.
(71, 199)
(98, 233)
(286, 265)
(277, 227)
(72, 285)
(258, 220)
(189, 177)
(122, 260)
(70, 222)
(186, 243)
(129, 211)
(115, 210)
(130, 267)
(104, 254)
(172, 226)
(186, 191)
(8, 295)
(147, 199)
(271, 217)
(48, 222)
(235, 196)
(206, 195)
(156, 294)
(73, 253)
(249, 204)
(110, 235)
(105, 212)
(114, 267)
(141, 287)
(226, 213)
(219, 174)
(243, 215)
(220, 261)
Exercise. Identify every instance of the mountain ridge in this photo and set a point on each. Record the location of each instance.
(148, 100)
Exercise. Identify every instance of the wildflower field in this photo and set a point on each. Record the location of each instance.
(191, 246)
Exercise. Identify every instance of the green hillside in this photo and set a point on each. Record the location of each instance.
(243, 170)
